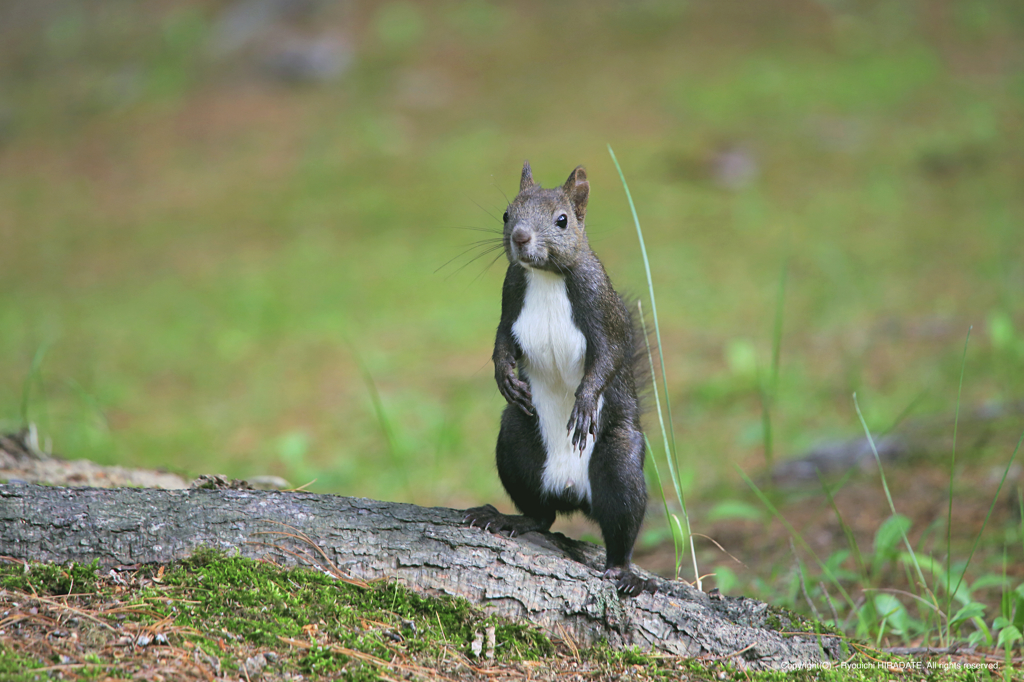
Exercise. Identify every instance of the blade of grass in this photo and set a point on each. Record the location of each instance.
(650, 288)
(657, 402)
(668, 435)
(673, 472)
(677, 541)
(803, 583)
(680, 496)
(381, 414)
(888, 497)
(992, 506)
(847, 531)
(394, 451)
(952, 473)
(796, 536)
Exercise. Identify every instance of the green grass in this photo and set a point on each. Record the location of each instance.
(196, 281)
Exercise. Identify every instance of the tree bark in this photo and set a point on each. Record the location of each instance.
(547, 578)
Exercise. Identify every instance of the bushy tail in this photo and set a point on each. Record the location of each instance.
(643, 351)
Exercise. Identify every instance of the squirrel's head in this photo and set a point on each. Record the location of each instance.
(544, 227)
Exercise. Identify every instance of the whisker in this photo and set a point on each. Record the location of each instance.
(476, 258)
(482, 243)
(488, 212)
(486, 268)
(478, 229)
(502, 193)
(486, 251)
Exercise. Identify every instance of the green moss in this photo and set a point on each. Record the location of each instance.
(17, 668)
(653, 666)
(265, 605)
(220, 600)
(789, 623)
(50, 579)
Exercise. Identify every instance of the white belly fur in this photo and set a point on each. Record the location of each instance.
(554, 351)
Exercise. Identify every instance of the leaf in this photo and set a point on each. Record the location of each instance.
(967, 612)
(834, 564)
(735, 509)
(1018, 607)
(725, 579)
(1008, 635)
(980, 638)
(989, 580)
(836, 559)
(890, 608)
(677, 528)
(887, 539)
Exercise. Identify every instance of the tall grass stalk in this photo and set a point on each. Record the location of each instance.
(847, 531)
(668, 434)
(952, 473)
(394, 450)
(674, 526)
(654, 304)
(680, 536)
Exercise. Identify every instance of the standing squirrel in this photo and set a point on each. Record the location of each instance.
(570, 437)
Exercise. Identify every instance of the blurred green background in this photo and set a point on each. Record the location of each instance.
(224, 226)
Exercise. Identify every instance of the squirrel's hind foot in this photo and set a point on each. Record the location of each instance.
(628, 583)
(490, 519)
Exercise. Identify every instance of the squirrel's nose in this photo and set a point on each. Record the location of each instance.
(521, 237)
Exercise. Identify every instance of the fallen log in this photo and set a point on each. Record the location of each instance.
(547, 578)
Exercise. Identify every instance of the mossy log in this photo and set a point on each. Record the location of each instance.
(547, 578)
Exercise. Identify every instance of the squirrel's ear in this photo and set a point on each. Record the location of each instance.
(526, 182)
(578, 190)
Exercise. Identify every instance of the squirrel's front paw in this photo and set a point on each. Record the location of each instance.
(514, 390)
(582, 421)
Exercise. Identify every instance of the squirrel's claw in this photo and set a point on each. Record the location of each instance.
(582, 423)
(516, 392)
(629, 584)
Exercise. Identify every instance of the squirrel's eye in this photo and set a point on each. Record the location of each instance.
(561, 220)
(505, 217)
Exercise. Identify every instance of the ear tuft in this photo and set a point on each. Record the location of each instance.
(578, 190)
(526, 181)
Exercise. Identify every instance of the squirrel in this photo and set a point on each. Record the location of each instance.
(570, 437)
